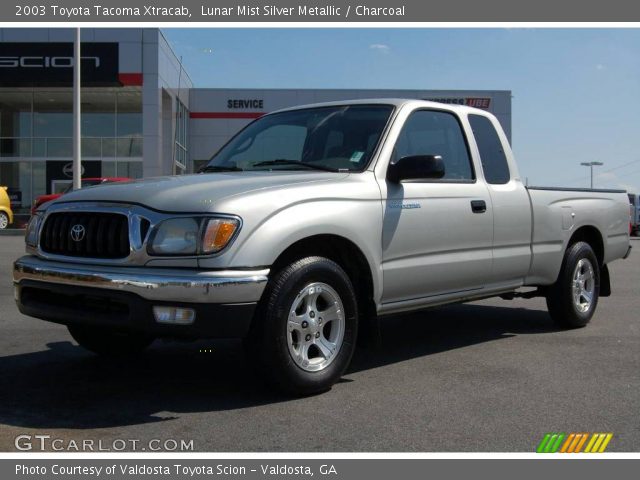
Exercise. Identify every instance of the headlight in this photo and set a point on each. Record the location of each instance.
(31, 233)
(192, 236)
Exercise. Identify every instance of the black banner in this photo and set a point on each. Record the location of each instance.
(62, 170)
(51, 64)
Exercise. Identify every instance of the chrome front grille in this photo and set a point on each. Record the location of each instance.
(86, 234)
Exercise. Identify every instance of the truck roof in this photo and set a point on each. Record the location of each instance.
(396, 102)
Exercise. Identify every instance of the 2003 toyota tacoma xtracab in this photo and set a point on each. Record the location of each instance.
(307, 224)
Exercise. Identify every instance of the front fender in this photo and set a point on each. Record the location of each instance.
(359, 221)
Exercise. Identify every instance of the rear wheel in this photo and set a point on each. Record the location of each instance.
(102, 341)
(4, 220)
(572, 300)
(305, 332)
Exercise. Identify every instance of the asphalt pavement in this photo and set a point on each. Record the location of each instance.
(494, 375)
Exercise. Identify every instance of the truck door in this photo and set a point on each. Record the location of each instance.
(511, 205)
(437, 234)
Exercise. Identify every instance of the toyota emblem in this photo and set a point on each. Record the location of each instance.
(77, 232)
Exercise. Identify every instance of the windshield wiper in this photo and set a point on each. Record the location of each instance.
(219, 168)
(297, 163)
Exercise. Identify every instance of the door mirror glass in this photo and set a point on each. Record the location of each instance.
(416, 167)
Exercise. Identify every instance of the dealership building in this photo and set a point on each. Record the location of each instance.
(141, 114)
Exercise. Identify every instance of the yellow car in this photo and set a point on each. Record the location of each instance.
(6, 215)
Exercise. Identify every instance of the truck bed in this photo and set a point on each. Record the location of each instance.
(559, 212)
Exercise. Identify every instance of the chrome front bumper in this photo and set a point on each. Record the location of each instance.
(157, 284)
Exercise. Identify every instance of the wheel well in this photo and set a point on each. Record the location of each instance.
(592, 236)
(346, 254)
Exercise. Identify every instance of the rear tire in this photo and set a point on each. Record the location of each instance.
(105, 342)
(573, 299)
(305, 330)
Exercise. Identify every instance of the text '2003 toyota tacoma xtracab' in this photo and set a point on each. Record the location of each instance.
(307, 224)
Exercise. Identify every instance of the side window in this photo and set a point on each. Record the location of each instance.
(428, 132)
(494, 161)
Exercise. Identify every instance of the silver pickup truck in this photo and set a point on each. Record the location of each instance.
(310, 222)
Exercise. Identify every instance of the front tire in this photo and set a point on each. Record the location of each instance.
(4, 220)
(304, 334)
(573, 299)
(105, 342)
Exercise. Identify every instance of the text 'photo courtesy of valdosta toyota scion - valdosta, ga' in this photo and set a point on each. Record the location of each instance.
(183, 12)
(191, 471)
(308, 224)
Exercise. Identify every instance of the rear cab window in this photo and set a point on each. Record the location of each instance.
(492, 155)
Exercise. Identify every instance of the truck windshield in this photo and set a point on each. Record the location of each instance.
(339, 138)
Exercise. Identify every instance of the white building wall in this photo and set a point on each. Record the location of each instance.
(163, 80)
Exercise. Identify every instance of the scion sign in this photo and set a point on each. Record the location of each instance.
(51, 64)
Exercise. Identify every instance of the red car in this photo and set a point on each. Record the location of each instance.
(86, 182)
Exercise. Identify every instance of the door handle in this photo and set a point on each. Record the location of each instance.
(478, 206)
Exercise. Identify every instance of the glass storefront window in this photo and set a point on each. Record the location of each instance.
(26, 179)
(15, 114)
(131, 169)
(15, 124)
(36, 129)
(39, 124)
(181, 140)
(129, 147)
(52, 114)
(15, 147)
(129, 116)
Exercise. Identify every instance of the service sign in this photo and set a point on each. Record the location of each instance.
(51, 64)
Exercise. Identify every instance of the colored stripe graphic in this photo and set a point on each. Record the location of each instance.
(574, 442)
(598, 442)
(567, 442)
(550, 443)
(581, 443)
(543, 443)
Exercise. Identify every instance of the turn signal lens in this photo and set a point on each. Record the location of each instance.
(217, 234)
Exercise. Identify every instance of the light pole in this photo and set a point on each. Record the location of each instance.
(591, 165)
(77, 138)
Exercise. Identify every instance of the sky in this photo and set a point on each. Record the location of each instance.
(574, 90)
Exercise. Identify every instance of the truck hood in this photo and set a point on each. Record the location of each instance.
(197, 192)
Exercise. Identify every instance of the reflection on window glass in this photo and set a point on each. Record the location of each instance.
(181, 147)
(129, 169)
(58, 147)
(429, 132)
(492, 156)
(15, 114)
(52, 114)
(109, 169)
(38, 180)
(25, 180)
(129, 117)
(279, 141)
(98, 114)
(326, 138)
(15, 147)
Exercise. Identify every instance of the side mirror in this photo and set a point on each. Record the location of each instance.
(416, 167)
